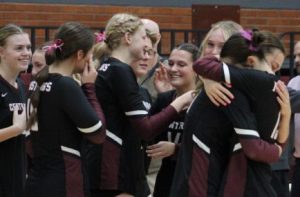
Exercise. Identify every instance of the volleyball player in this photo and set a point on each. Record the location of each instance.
(120, 170)
(62, 113)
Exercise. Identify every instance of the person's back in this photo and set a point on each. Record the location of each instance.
(55, 141)
(258, 87)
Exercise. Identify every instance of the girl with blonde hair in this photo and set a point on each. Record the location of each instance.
(116, 168)
(15, 55)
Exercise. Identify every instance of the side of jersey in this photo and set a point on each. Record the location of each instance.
(122, 152)
(12, 151)
(64, 117)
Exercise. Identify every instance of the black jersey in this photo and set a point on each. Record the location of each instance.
(207, 145)
(204, 150)
(122, 152)
(64, 116)
(172, 134)
(12, 151)
(260, 89)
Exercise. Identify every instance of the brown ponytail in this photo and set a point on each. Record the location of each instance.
(70, 38)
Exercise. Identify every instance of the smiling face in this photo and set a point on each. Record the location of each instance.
(214, 43)
(180, 70)
(16, 53)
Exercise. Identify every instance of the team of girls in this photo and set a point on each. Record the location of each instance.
(62, 115)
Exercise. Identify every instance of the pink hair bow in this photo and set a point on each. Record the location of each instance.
(57, 44)
(248, 35)
(100, 37)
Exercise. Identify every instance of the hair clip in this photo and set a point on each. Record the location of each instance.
(100, 37)
(57, 44)
(248, 35)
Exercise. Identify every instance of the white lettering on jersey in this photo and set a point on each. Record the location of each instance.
(174, 136)
(176, 139)
(176, 125)
(45, 87)
(104, 67)
(32, 86)
(18, 106)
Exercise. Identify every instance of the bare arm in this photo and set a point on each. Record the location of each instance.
(284, 101)
(217, 93)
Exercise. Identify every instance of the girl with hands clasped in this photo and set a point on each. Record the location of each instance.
(15, 55)
(62, 113)
(182, 77)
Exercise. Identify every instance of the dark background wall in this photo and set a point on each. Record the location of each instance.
(282, 4)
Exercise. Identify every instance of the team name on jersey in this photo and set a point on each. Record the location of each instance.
(13, 106)
(45, 87)
(176, 125)
(104, 67)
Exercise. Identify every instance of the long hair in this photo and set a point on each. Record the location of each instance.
(69, 39)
